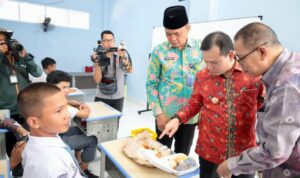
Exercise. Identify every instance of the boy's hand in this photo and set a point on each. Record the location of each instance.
(85, 107)
(86, 110)
(170, 128)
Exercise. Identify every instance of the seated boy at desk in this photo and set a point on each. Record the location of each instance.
(74, 137)
(13, 126)
(46, 155)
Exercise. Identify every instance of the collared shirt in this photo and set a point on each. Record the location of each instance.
(48, 157)
(170, 76)
(227, 109)
(42, 78)
(278, 153)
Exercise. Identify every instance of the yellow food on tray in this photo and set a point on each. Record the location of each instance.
(135, 132)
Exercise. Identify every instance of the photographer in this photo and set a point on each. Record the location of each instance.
(109, 75)
(15, 65)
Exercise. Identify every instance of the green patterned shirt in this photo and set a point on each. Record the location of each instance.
(170, 77)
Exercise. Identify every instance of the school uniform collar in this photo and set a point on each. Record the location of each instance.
(47, 141)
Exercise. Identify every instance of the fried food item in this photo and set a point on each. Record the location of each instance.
(175, 161)
(186, 164)
(163, 152)
(143, 140)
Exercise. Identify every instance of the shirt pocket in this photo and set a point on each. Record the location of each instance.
(248, 97)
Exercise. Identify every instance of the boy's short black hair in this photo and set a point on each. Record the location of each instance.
(31, 98)
(58, 76)
(47, 61)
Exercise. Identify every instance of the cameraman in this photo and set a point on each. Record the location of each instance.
(119, 65)
(15, 65)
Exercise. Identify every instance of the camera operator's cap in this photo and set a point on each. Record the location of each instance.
(175, 17)
(6, 32)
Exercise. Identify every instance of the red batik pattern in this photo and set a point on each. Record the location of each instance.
(227, 109)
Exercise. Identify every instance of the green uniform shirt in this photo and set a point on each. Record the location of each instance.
(170, 77)
(8, 91)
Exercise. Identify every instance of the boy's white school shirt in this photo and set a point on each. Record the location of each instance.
(48, 157)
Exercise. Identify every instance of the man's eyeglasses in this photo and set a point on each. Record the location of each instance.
(239, 59)
(110, 40)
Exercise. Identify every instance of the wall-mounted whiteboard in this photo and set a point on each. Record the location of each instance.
(201, 29)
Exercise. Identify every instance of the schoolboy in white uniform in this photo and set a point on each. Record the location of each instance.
(74, 137)
(46, 155)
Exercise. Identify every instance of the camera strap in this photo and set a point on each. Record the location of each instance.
(17, 70)
(114, 67)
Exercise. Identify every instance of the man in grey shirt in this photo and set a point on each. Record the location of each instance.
(278, 154)
(111, 74)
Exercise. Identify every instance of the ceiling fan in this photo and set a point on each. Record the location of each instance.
(46, 24)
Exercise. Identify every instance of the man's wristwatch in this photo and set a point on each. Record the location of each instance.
(176, 117)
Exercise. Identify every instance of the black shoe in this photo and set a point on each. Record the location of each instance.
(89, 174)
(18, 171)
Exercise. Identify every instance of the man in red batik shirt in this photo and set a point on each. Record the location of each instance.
(227, 100)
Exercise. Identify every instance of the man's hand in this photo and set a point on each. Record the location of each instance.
(125, 61)
(3, 47)
(95, 57)
(161, 121)
(23, 53)
(121, 53)
(16, 154)
(170, 128)
(223, 170)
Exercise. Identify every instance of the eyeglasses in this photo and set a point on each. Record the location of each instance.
(108, 40)
(239, 59)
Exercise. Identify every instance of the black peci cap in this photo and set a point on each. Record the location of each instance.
(175, 17)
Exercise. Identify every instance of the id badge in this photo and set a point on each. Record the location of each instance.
(190, 80)
(13, 79)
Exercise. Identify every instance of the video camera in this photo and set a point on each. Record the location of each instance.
(13, 44)
(102, 59)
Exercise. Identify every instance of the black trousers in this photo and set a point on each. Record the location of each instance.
(183, 138)
(209, 170)
(117, 103)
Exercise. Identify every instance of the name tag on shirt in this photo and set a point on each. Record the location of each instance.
(190, 80)
(13, 79)
(169, 58)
